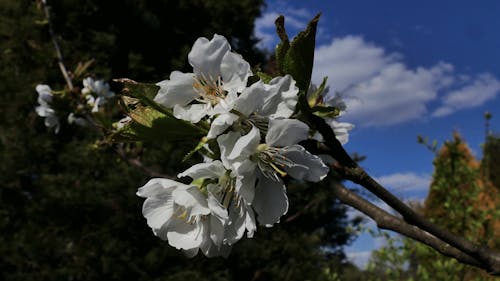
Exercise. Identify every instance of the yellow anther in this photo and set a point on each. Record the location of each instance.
(183, 216)
(278, 170)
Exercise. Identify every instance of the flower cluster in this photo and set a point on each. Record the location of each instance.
(93, 95)
(44, 109)
(252, 144)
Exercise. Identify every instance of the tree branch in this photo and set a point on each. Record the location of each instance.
(385, 220)
(60, 61)
(138, 164)
(348, 169)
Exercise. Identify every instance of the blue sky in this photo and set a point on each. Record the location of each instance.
(406, 69)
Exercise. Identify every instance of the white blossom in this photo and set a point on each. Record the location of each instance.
(181, 214)
(44, 109)
(233, 193)
(341, 129)
(96, 92)
(72, 119)
(263, 164)
(257, 104)
(218, 75)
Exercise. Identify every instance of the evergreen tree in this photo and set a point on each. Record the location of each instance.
(68, 209)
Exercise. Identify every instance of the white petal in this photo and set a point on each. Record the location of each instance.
(192, 112)
(242, 218)
(226, 104)
(235, 72)
(285, 132)
(218, 221)
(250, 224)
(226, 144)
(182, 235)
(310, 167)
(270, 201)
(44, 94)
(206, 56)
(281, 99)
(341, 130)
(158, 211)
(44, 111)
(52, 121)
(158, 186)
(246, 145)
(191, 198)
(220, 124)
(236, 227)
(209, 249)
(211, 170)
(176, 91)
(251, 99)
(98, 101)
(245, 180)
(327, 159)
(191, 253)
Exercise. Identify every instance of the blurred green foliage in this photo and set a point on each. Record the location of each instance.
(68, 209)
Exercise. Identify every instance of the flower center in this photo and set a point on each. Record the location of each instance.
(185, 215)
(209, 89)
(271, 161)
(227, 184)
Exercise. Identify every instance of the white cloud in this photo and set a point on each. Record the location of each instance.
(381, 90)
(360, 259)
(484, 88)
(296, 19)
(264, 30)
(406, 181)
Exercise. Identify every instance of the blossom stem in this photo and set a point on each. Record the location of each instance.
(60, 60)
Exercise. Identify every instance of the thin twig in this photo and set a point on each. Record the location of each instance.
(60, 60)
(138, 164)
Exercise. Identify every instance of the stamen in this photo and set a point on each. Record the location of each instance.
(271, 161)
(209, 89)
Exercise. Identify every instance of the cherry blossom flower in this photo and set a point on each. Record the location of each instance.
(257, 104)
(184, 216)
(218, 75)
(234, 193)
(96, 92)
(263, 164)
(44, 109)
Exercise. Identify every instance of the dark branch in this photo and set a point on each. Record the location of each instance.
(385, 220)
(135, 162)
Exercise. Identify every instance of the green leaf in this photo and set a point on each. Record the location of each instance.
(283, 46)
(142, 91)
(296, 58)
(149, 124)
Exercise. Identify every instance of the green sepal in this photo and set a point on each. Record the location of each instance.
(199, 146)
(264, 76)
(325, 111)
(316, 97)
